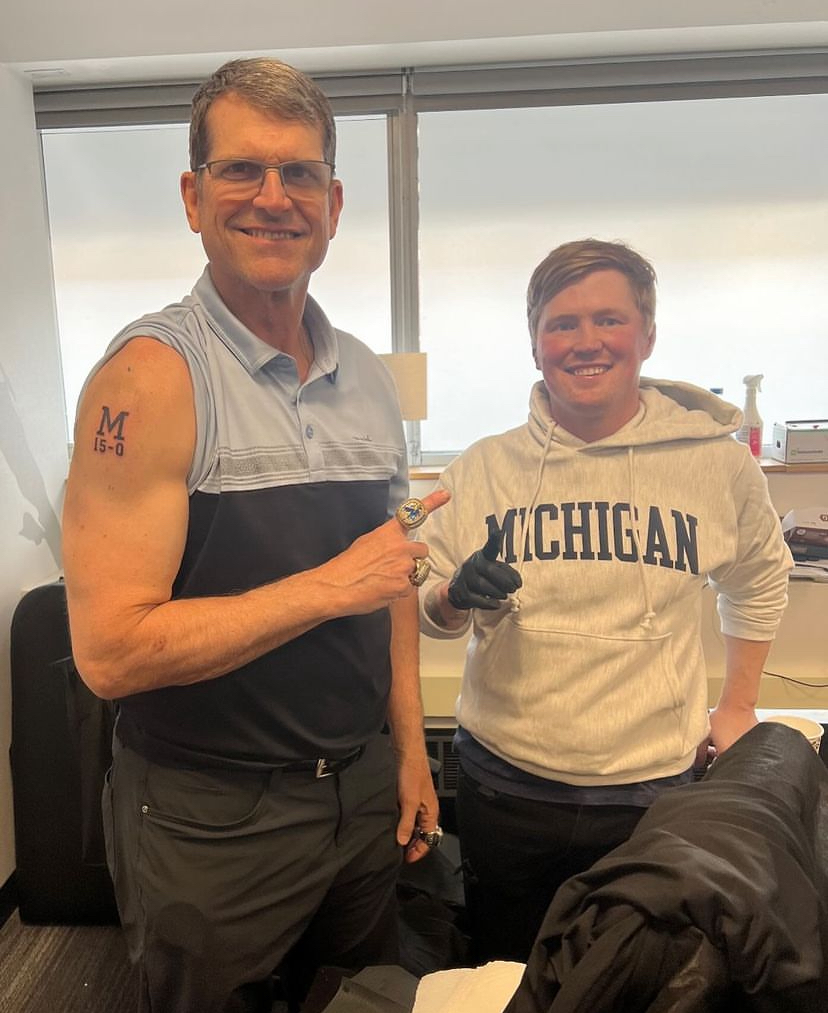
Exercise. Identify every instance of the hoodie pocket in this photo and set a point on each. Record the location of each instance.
(592, 704)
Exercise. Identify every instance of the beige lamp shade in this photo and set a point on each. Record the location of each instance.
(409, 372)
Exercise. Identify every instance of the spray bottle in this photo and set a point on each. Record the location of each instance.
(751, 431)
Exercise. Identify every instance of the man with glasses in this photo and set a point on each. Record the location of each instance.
(237, 581)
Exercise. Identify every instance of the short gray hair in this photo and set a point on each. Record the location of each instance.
(569, 263)
(270, 85)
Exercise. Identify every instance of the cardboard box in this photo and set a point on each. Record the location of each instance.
(804, 441)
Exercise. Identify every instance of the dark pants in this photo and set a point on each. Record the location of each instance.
(222, 876)
(516, 853)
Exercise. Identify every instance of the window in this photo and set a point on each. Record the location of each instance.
(457, 183)
(121, 246)
(727, 197)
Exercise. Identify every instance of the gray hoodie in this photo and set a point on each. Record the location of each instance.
(593, 672)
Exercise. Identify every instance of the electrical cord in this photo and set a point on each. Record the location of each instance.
(796, 682)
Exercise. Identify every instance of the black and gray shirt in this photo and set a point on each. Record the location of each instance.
(285, 475)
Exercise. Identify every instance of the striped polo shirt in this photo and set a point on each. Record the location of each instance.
(285, 475)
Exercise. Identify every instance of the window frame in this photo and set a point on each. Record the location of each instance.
(401, 95)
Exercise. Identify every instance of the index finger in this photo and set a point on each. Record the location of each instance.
(436, 499)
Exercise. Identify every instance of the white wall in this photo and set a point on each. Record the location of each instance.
(33, 456)
(67, 29)
(93, 41)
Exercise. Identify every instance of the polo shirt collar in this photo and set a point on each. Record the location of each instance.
(250, 350)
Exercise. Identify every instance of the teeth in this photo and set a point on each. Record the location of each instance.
(265, 234)
(589, 370)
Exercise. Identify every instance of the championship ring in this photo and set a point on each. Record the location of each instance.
(411, 513)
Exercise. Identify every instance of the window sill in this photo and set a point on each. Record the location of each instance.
(431, 473)
(421, 473)
(771, 466)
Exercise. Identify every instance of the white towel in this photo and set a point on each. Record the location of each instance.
(484, 989)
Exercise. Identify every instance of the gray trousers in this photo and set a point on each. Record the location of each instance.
(220, 876)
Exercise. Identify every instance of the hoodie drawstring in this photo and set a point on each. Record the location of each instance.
(515, 606)
(649, 614)
(647, 620)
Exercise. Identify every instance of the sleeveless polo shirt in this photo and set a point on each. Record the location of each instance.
(284, 477)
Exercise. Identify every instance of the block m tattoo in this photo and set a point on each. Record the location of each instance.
(110, 432)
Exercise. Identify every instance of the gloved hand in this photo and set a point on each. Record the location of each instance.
(482, 582)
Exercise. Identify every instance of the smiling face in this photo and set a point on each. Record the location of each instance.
(266, 245)
(590, 342)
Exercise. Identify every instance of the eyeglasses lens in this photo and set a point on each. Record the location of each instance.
(302, 178)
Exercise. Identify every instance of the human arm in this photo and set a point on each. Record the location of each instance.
(735, 712)
(481, 581)
(752, 595)
(125, 526)
(440, 611)
(418, 800)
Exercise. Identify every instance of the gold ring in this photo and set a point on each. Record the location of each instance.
(411, 513)
(422, 568)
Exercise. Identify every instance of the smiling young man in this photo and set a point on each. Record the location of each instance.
(237, 581)
(577, 547)
(591, 339)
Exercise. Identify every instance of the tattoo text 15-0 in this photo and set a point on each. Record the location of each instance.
(113, 427)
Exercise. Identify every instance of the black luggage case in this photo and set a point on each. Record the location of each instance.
(60, 752)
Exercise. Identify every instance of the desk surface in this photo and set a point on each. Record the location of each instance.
(815, 715)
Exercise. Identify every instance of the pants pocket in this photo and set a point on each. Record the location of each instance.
(202, 801)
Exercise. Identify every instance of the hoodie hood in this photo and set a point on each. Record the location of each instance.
(669, 410)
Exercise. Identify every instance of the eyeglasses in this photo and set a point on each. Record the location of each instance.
(303, 178)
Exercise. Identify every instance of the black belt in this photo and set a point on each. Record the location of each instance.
(324, 766)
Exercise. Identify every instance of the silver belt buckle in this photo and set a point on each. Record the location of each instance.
(322, 768)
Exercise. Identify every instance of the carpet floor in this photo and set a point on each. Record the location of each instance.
(68, 969)
(65, 969)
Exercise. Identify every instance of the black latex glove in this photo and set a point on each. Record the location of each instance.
(482, 582)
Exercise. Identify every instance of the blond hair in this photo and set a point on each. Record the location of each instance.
(573, 261)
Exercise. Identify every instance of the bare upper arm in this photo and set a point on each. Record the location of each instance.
(126, 507)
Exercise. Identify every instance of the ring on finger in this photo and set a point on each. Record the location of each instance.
(411, 513)
(421, 570)
(431, 837)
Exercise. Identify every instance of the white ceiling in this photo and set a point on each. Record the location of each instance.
(76, 42)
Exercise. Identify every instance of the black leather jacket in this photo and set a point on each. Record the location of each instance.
(718, 901)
